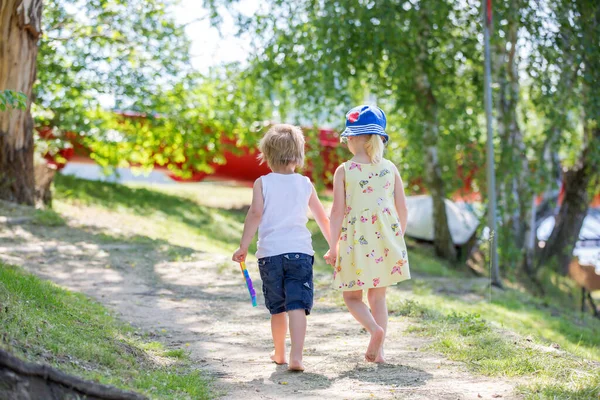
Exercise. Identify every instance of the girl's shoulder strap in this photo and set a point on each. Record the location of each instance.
(390, 164)
(346, 167)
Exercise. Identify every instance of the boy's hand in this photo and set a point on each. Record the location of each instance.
(331, 257)
(240, 255)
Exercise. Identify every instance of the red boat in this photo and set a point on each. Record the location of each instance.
(241, 164)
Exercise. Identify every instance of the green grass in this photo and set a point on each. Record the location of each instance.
(178, 220)
(44, 323)
(447, 303)
(48, 218)
(547, 373)
(202, 217)
(516, 311)
(484, 342)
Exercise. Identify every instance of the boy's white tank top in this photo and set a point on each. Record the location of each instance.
(283, 228)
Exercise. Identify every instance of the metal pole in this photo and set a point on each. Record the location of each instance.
(491, 174)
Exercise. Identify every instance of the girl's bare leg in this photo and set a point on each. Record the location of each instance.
(361, 313)
(376, 297)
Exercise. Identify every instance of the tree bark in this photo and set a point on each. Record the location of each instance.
(442, 239)
(20, 28)
(570, 218)
(577, 180)
(516, 194)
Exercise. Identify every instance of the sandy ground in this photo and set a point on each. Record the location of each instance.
(202, 305)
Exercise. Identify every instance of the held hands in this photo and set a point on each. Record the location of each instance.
(240, 255)
(331, 257)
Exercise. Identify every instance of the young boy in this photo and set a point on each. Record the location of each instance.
(280, 201)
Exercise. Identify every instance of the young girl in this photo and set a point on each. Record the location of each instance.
(285, 256)
(368, 219)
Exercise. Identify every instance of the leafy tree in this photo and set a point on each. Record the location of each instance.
(132, 53)
(578, 65)
(113, 50)
(135, 53)
(11, 99)
(406, 54)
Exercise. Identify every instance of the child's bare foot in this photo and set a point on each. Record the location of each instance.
(279, 360)
(380, 359)
(296, 366)
(375, 344)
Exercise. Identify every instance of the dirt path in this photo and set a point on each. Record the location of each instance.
(201, 305)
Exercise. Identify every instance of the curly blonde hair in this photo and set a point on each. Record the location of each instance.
(282, 145)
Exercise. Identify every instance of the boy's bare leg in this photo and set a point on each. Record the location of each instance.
(360, 311)
(297, 335)
(279, 330)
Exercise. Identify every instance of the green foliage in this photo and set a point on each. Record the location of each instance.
(466, 337)
(12, 99)
(180, 221)
(133, 53)
(44, 323)
(468, 324)
(328, 56)
(130, 50)
(466, 306)
(451, 307)
(48, 218)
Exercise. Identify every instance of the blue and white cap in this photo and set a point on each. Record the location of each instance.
(366, 120)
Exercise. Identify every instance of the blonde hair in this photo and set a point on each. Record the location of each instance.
(374, 147)
(282, 145)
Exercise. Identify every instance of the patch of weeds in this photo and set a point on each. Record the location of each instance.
(176, 353)
(169, 384)
(468, 324)
(587, 387)
(44, 323)
(180, 254)
(47, 218)
(410, 308)
(467, 337)
(421, 287)
(423, 261)
(167, 217)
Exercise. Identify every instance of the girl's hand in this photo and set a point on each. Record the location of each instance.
(331, 257)
(240, 255)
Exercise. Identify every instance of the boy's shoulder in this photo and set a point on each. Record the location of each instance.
(305, 179)
(298, 176)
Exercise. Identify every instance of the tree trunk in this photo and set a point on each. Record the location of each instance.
(516, 194)
(20, 28)
(570, 218)
(444, 246)
(442, 240)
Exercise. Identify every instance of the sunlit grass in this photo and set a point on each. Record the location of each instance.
(543, 371)
(47, 218)
(447, 303)
(44, 323)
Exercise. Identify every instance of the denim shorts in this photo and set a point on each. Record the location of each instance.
(287, 282)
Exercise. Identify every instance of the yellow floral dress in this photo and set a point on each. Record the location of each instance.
(371, 252)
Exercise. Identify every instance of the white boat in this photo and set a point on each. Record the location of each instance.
(587, 248)
(462, 222)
